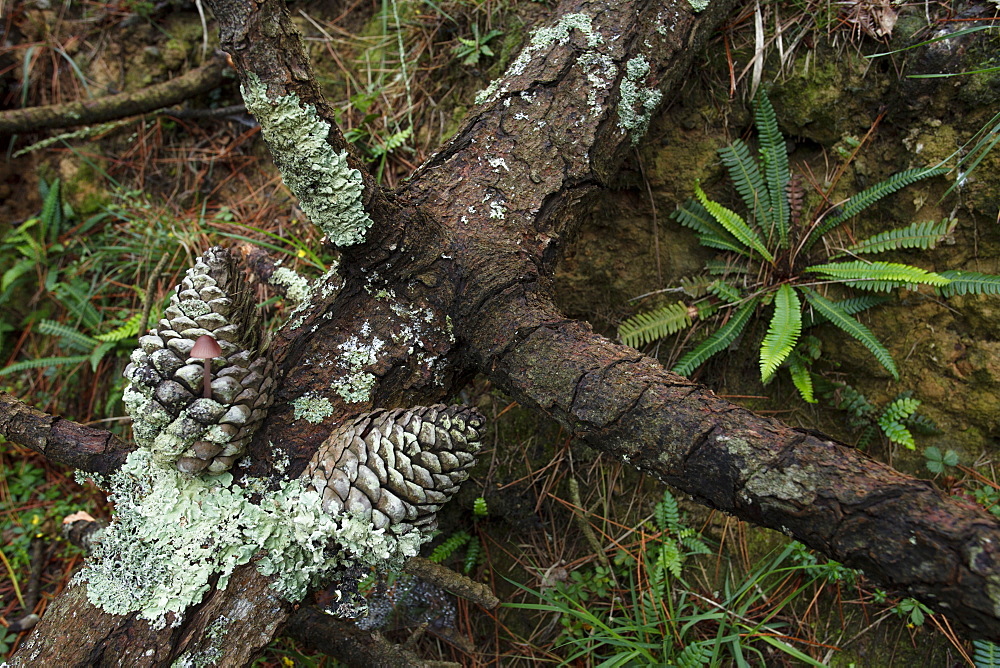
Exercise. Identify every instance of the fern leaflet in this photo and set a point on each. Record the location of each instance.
(717, 342)
(900, 409)
(923, 235)
(724, 291)
(801, 377)
(849, 325)
(746, 177)
(986, 654)
(734, 224)
(898, 433)
(668, 514)
(695, 286)
(878, 276)
(694, 655)
(70, 335)
(26, 365)
(776, 171)
(647, 327)
(710, 233)
(448, 547)
(849, 306)
(866, 198)
(129, 329)
(51, 215)
(783, 332)
(969, 282)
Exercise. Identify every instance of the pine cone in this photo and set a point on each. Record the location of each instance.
(165, 397)
(397, 467)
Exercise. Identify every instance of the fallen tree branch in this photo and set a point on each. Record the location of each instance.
(61, 441)
(196, 82)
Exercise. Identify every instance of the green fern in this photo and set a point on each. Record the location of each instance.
(866, 198)
(925, 235)
(798, 369)
(652, 325)
(694, 655)
(717, 342)
(852, 327)
(710, 233)
(449, 547)
(127, 330)
(746, 177)
(667, 512)
(782, 334)
(850, 306)
(733, 224)
(52, 211)
(877, 276)
(725, 291)
(985, 654)
(775, 157)
(969, 282)
(472, 555)
(70, 335)
(27, 365)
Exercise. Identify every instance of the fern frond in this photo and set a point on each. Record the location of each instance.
(849, 306)
(867, 436)
(696, 286)
(877, 276)
(722, 267)
(746, 177)
(866, 198)
(717, 342)
(846, 323)
(27, 365)
(898, 433)
(985, 654)
(644, 328)
(969, 282)
(801, 378)
(783, 332)
(922, 424)
(51, 215)
(449, 546)
(99, 352)
(710, 233)
(725, 291)
(694, 655)
(667, 512)
(706, 309)
(670, 558)
(734, 224)
(923, 235)
(70, 335)
(128, 329)
(775, 157)
(472, 554)
(900, 409)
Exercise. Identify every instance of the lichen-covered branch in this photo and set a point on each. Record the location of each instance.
(59, 440)
(191, 84)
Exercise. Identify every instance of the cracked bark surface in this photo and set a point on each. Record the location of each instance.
(471, 240)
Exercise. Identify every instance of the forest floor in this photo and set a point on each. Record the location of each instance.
(593, 561)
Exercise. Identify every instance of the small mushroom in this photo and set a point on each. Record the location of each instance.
(205, 348)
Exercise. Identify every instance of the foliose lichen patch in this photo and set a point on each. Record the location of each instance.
(328, 189)
(312, 407)
(173, 532)
(637, 103)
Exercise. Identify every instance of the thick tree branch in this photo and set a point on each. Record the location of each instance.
(196, 82)
(61, 441)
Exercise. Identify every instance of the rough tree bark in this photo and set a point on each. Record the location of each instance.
(470, 243)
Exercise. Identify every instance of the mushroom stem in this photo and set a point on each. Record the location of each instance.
(207, 382)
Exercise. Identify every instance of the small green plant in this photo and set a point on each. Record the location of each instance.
(656, 617)
(936, 461)
(473, 546)
(898, 420)
(469, 51)
(776, 259)
(913, 611)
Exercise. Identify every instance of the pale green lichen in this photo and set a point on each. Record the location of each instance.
(296, 286)
(328, 189)
(312, 408)
(174, 533)
(698, 5)
(542, 39)
(209, 656)
(355, 384)
(637, 103)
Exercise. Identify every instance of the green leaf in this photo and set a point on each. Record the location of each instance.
(877, 276)
(746, 177)
(969, 282)
(725, 291)
(897, 433)
(51, 215)
(923, 235)
(735, 225)
(783, 332)
(899, 410)
(775, 157)
(718, 341)
(26, 365)
(986, 654)
(866, 198)
(845, 322)
(20, 268)
(801, 378)
(849, 306)
(129, 329)
(647, 327)
(70, 335)
(710, 233)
